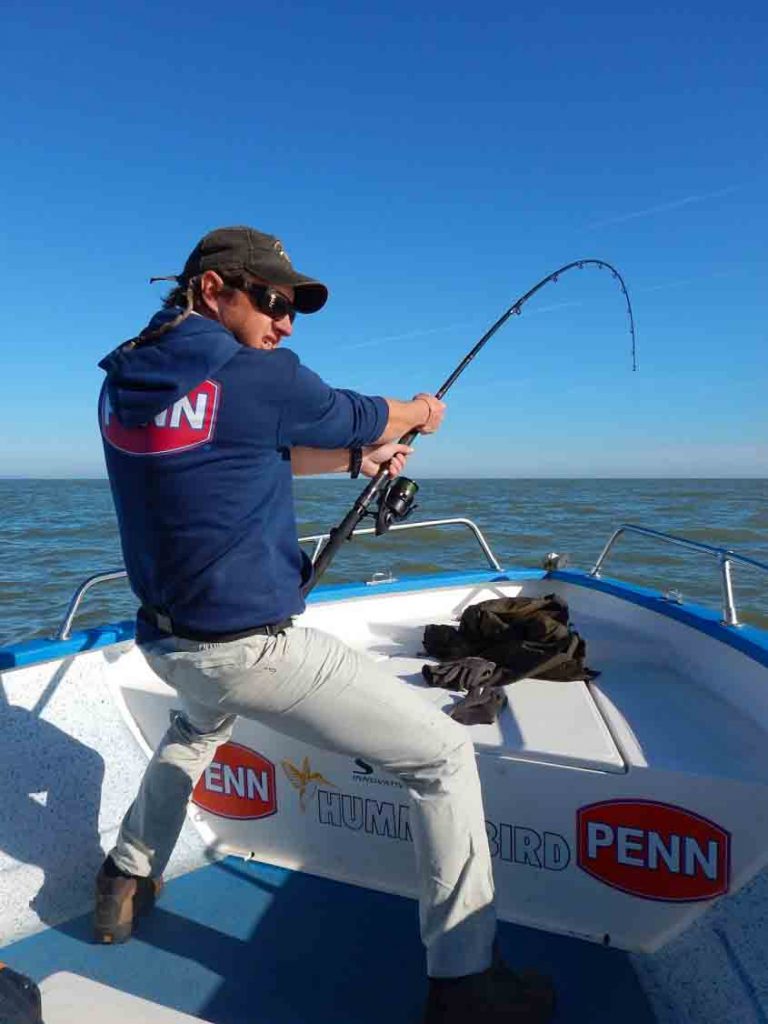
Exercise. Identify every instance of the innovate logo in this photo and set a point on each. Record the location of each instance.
(653, 850)
(239, 783)
(186, 424)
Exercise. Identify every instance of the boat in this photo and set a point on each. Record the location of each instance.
(627, 816)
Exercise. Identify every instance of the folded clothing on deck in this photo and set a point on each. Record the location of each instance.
(526, 637)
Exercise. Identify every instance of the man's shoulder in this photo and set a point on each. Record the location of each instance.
(279, 360)
(271, 371)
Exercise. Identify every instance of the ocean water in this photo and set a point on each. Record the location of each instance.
(55, 533)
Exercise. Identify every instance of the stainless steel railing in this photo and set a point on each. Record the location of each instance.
(725, 557)
(117, 574)
(74, 603)
(318, 538)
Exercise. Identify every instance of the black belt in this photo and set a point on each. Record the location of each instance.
(163, 622)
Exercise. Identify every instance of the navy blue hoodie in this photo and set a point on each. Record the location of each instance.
(197, 432)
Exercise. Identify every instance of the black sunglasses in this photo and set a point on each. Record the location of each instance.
(269, 300)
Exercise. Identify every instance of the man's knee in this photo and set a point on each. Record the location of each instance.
(461, 753)
(457, 746)
(213, 734)
(452, 756)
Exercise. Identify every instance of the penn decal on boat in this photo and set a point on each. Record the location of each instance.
(654, 850)
(186, 424)
(238, 783)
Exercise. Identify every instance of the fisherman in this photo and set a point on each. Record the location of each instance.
(205, 418)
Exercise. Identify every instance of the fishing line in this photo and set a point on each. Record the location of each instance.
(396, 496)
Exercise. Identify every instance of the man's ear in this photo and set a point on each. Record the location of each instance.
(211, 286)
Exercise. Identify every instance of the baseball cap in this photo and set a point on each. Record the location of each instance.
(232, 250)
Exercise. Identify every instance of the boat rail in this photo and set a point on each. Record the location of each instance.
(319, 538)
(62, 633)
(724, 556)
(109, 575)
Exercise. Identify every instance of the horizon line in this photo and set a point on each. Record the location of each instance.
(339, 477)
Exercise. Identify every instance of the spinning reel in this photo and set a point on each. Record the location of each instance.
(396, 503)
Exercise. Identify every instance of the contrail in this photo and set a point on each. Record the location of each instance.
(441, 330)
(554, 307)
(402, 337)
(664, 207)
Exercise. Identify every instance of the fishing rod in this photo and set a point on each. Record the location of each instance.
(396, 497)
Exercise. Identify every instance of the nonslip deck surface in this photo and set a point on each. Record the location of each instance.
(245, 943)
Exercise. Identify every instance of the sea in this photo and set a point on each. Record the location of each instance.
(55, 533)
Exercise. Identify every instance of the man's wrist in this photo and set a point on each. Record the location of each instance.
(424, 423)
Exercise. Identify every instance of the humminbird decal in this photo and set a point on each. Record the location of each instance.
(376, 817)
(528, 847)
(304, 779)
(653, 850)
(186, 424)
(238, 783)
(514, 844)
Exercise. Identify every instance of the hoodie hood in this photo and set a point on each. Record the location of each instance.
(144, 380)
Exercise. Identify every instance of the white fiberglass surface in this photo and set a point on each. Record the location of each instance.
(70, 769)
(668, 696)
(70, 999)
(674, 697)
(544, 720)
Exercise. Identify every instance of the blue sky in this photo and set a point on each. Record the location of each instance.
(430, 163)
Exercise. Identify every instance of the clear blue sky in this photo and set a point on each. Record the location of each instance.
(430, 162)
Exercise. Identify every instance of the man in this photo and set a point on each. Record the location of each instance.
(209, 538)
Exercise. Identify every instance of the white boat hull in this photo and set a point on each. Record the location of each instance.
(630, 810)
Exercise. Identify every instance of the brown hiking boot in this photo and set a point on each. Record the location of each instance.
(497, 996)
(118, 901)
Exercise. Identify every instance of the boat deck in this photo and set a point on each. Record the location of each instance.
(239, 942)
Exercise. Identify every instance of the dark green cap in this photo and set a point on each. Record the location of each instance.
(237, 249)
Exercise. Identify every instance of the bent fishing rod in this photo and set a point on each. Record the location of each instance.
(396, 496)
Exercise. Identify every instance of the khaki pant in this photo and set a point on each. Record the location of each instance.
(310, 686)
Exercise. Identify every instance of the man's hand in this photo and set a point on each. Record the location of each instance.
(422, 415)
(434, 409)
(392, 452)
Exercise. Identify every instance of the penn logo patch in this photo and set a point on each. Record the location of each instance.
(653, 850)
(186, 424)
(238, 783)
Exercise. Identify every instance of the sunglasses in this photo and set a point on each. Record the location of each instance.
(269, 300)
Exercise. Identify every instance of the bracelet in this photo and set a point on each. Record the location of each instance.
(429, 412)
(355, 462)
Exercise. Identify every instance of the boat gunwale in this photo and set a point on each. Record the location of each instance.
(748, 640)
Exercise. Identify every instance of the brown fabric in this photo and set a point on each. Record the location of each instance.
(527, 637)
(481, 706)
(463, 674)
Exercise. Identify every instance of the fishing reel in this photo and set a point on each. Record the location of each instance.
(396, 503)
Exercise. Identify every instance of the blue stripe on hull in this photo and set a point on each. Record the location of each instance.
(750, 641)
(747, 639)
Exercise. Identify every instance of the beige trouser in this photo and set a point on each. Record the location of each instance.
(308, 685)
